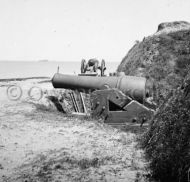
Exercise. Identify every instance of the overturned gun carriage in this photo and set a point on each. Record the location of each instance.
(117, 99)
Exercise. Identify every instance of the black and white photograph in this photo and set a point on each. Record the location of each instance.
(94, 91)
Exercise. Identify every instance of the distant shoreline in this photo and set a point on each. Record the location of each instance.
(52, 61)
(18, 71)
(23, 79)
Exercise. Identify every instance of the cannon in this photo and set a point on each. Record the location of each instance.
(118, 99)
(91, 67)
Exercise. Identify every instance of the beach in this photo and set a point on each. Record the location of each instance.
(38, 143)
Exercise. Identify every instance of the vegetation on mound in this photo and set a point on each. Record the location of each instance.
(167, 143)
(162, 58)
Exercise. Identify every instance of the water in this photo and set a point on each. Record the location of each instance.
(21, 69)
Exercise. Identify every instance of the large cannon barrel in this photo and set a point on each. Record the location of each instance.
(132, 86)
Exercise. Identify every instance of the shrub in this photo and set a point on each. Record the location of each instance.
(167, 142)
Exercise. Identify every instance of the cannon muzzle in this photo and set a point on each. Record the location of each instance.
(132, 86)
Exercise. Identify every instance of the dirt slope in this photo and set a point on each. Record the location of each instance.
(162, 57)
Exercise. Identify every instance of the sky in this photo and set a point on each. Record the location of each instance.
(70, 30)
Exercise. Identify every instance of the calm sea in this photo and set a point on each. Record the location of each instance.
(21, 69)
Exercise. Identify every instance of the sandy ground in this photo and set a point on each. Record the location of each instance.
(38, 143)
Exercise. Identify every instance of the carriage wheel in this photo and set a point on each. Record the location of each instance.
(103, 67)
(95, 67)
(83, 66)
